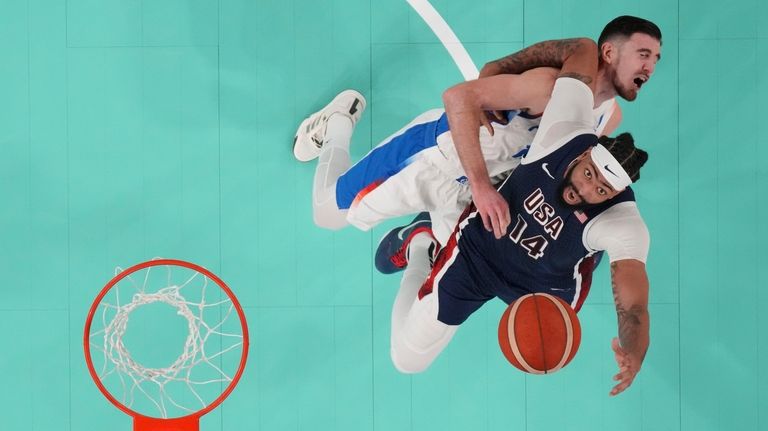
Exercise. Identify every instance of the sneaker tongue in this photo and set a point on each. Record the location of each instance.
(432, 253)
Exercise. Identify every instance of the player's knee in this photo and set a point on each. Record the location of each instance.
(329, 217)
(408, 364)
(329, 223)
(415, 347)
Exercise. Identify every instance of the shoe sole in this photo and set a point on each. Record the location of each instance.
(296, 139)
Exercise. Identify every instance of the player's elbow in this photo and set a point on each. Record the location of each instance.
(456, 96)
(638, 311)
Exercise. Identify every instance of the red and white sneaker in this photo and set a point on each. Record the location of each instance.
(392, 252)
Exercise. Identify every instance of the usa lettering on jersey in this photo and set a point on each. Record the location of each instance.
(544, 214)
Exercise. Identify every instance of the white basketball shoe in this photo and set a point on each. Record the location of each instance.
(309, 138)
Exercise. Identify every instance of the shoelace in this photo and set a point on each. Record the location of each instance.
(433, 250)
(317, 137)
(317, 140)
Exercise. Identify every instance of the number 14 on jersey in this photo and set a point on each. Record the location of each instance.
(544, 214)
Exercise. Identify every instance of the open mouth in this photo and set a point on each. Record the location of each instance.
(639, 81)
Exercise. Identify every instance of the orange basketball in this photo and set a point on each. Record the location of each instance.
(539, 333)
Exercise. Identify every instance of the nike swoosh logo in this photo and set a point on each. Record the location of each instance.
(405, 228)
(544, 166)
(609, 170)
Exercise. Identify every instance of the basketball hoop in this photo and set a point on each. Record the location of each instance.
(171, 394)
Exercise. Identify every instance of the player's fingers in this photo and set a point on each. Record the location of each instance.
(500, 117)
(496, 225)
(486, 220)
(622, 360)
(501, 224)
(622, 386)
(616, 346)
(621, 375)
(619, 388)
(625, 379)
(486, 122)
(506, 219)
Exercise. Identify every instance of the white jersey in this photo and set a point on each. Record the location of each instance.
(510, 142)
(417, 169)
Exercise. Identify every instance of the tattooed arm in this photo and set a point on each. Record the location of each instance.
(551, 53)
(630, 293)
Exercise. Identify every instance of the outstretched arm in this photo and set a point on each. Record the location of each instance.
(550, 53)
(630, 293)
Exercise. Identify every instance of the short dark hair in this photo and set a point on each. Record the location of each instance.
(623, 149)
(626, 26)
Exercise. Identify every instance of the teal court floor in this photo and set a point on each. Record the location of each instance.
(132, 129)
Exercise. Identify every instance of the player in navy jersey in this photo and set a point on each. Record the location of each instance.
(570, 201)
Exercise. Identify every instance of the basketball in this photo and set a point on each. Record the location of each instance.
(539, 333)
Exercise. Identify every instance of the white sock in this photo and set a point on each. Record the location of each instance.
(414, 276)
(333, 161)
(338, 133)
(417, 337)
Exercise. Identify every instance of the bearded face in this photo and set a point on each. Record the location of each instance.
(631, 62)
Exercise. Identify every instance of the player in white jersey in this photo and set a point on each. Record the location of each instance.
(629, 48)
(418, 168)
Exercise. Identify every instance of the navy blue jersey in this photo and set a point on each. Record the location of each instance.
(541, 252)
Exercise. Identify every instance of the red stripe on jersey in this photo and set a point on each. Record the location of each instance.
(361, 194)
(586, 268)
(444, 254)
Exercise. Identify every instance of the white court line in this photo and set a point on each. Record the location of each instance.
(447, 37)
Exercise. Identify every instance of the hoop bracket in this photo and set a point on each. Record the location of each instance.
(185, 423)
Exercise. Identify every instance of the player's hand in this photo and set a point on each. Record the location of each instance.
(488, 117)
(493, 209)
(628, 368)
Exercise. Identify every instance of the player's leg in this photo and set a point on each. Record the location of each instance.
(396, 178)
(391, 254)
(445, 218)
(442, 220)
(417, 337)
(431, 303)
(326, 135)
(333, 161)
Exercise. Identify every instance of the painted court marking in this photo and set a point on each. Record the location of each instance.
(447, 37)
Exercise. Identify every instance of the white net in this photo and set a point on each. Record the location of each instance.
(170, 341)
